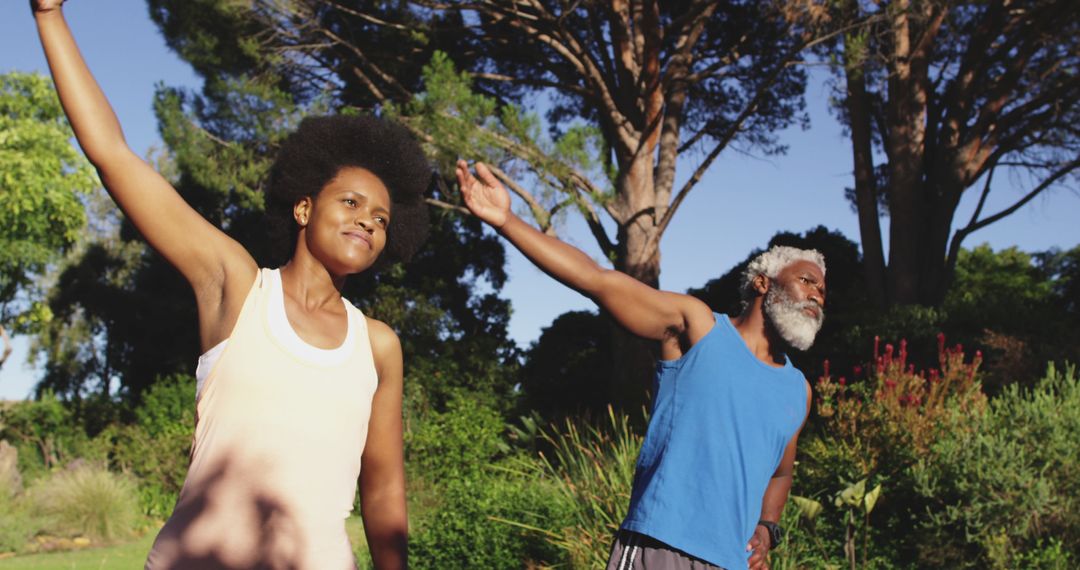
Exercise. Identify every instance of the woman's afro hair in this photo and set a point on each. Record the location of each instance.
(321, 146)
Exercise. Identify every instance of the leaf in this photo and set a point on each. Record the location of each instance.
(853, 495)
(808, 508)
(871, 499)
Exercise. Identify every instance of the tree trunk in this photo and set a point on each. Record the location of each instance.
(866, 196)
(935, 271)
(906, 140)
(634, 357)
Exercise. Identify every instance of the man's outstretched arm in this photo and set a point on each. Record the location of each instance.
(643, 310)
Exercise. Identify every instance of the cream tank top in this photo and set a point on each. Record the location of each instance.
(280, 429)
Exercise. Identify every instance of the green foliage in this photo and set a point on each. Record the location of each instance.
(41, 175)
(86, 501)
(17, 525)
(592, 470)
(999, 493)
(459, 121)
(567, 370)
(477, 509)
(867, 436)
(156, 447)
(456, 444)
(490, 519)
(45, 433)
(987, 279)
(168, 407)
(1016, 307)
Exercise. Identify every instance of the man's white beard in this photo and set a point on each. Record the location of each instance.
(789, 320)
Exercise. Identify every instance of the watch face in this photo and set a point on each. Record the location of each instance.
(776, 535)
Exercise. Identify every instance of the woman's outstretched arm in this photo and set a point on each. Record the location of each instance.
(218, 268)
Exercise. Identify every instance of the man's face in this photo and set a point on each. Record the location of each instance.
(794, 303)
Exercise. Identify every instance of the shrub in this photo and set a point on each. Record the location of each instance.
(496, 520)
(868, 434)
(88, 501)
(17, 523)
(155, 449)
(45, 433)
(456, 444)
(473, 506)
(1006, 495)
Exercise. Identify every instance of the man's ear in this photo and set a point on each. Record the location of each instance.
(302, 211)
(761, 284)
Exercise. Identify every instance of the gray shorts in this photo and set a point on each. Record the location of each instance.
(634, 551)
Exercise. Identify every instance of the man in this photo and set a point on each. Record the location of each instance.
(715, 468)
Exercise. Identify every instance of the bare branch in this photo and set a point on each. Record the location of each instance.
(448, 206)
(365, 16)
(1048, 182)
(535, 82)
(539, 213)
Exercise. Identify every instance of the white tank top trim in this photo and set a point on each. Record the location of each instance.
(278, 323)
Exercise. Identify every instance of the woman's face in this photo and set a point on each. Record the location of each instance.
(345, 225)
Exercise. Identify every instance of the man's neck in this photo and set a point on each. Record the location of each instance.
(758, 336)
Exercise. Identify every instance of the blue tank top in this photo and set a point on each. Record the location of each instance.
(720, 421)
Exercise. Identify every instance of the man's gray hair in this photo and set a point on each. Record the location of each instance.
(772, 262)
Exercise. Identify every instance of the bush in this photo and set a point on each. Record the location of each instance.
(156, 448)
(473, 505)
(857, 456)
(17, 522)
(455, 445)
(1005, 494)
(86, 501)
(497, 520)
(45, 433)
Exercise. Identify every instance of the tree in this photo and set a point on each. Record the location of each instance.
(41, 177)
(951, 93)
(566, 370)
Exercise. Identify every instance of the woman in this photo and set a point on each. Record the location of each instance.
(299, 394)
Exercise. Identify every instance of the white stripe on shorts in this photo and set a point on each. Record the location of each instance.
(627, 562)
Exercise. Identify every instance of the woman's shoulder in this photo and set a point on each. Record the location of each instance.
(384, 341)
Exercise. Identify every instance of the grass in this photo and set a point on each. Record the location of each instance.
(123, 556)
(133, 554)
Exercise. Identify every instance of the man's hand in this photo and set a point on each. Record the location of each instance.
(486, 198)
(41, 6)
(760, 544)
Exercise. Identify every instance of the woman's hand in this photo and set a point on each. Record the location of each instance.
(486, 198)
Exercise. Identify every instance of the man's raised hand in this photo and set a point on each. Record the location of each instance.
(485, 197)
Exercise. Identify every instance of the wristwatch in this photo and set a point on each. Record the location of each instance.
(776, 534)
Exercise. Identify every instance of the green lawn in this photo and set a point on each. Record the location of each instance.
(133, 554)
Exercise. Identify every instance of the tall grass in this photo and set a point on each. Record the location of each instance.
(592, 468)
(16, 526)
(89, 501)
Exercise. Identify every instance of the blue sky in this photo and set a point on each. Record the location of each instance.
(737, 206)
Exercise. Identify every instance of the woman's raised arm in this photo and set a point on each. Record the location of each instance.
(211, 261)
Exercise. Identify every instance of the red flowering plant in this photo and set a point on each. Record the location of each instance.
(869, 429)
(895, 405)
